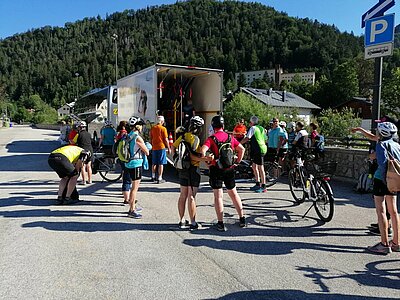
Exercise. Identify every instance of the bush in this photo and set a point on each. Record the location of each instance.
(244, 106)
(335, 123)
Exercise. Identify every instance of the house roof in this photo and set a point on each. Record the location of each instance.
(356, 99)
(276, 99)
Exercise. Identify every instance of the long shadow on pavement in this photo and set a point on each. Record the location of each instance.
(290, 295)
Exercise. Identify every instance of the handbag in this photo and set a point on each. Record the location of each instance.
(393, 173)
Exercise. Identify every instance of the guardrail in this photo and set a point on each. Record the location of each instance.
(347, 142)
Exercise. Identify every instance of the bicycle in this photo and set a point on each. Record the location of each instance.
(108, 166)
(272, 172)
(310, 181)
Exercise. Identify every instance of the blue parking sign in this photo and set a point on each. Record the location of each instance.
(379, 30)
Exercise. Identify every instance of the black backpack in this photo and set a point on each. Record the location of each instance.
(225, 153)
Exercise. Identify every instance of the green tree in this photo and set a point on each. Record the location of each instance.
(391, 94)
(335, 123)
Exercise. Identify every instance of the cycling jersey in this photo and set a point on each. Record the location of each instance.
(70, 151)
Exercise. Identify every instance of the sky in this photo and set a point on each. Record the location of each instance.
(18, 16)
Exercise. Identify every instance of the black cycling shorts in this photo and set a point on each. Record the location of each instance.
(257, 158)
(380, 188)
(219, 176)
(135, 173)
(190, 177)
(62, 166)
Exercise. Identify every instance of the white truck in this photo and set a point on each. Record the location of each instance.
(165, 89)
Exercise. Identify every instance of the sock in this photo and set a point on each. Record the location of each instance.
(258, 183)
(183, 220)
(153, 175)
(221, 222)
(159, 178)
(194, 222)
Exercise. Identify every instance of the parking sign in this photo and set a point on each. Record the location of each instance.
(379, 30)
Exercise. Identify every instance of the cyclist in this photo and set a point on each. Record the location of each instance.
(137, 148)
(300, 142)
(85, 141)
(258, 148)
(386, 132)
(240, 130)
(67, 161)
(226, 176)
(189, 180)
(291, 134)
(107, 137)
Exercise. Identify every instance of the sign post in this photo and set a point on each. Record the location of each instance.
(379, 37)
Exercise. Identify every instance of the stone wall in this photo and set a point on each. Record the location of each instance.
(351, 162)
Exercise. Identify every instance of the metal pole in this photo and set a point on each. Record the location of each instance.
(114, 37)
(77, 86)
(376, 104)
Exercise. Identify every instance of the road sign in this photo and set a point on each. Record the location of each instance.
(378, 50)
(377, 10)
(379, 30)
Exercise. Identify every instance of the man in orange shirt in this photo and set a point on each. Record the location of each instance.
(240, 130)
(159, 141)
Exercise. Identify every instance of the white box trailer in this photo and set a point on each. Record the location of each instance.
(165, 89)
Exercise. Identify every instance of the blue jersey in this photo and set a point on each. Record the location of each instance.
(273, 137)
(382, 157)
(108, 134)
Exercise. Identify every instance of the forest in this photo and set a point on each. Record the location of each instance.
(47, 67)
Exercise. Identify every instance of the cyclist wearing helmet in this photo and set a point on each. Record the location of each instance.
(107, 137)
(258, 148)
(67, 161)
(226, 176)
(137, 148)
(85, 141)
(386, 131)
(189, 180)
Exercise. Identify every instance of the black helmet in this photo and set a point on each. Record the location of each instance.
(217, 122)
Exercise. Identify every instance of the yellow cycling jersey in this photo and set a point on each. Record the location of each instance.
(70, 151)
(193, 141)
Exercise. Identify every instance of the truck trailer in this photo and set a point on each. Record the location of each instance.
(164, 89)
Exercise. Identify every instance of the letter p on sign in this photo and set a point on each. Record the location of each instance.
(377, 27)
(379, 30)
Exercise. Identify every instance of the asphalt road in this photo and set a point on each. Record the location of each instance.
(93, 251)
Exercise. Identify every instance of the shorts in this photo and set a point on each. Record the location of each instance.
(62, 166)
(380, 188)
(257, 158)
(135, 173)
(190, 177)
(107, 149)
(218, 176)
(159, 157)
(271, 154)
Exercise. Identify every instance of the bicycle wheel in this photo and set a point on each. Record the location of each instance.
(324, 204)
(272, 173)
(110, 170)
(297, 185)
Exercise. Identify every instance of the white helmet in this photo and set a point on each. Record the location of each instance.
(136, 121)
(387, 129)
(82, 124)
(282, 123)
(196, 121)
(108, 123)
(291, 125)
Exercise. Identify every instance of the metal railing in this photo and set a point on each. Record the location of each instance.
(347, 142)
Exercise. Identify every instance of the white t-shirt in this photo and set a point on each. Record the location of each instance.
(302, 138)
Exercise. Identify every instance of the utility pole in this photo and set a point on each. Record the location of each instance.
(115, 37)
(77, 85)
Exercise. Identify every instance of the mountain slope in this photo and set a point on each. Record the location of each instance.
(230, 35)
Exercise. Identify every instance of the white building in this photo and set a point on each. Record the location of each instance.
(66, 109)
(250, 76)
(282, 100)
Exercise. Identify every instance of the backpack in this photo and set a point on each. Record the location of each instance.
(225, 153)
(319, 144)
(364, 184)
(123, 148)
(182, 160)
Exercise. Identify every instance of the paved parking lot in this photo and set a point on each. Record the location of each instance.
(93, 251)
